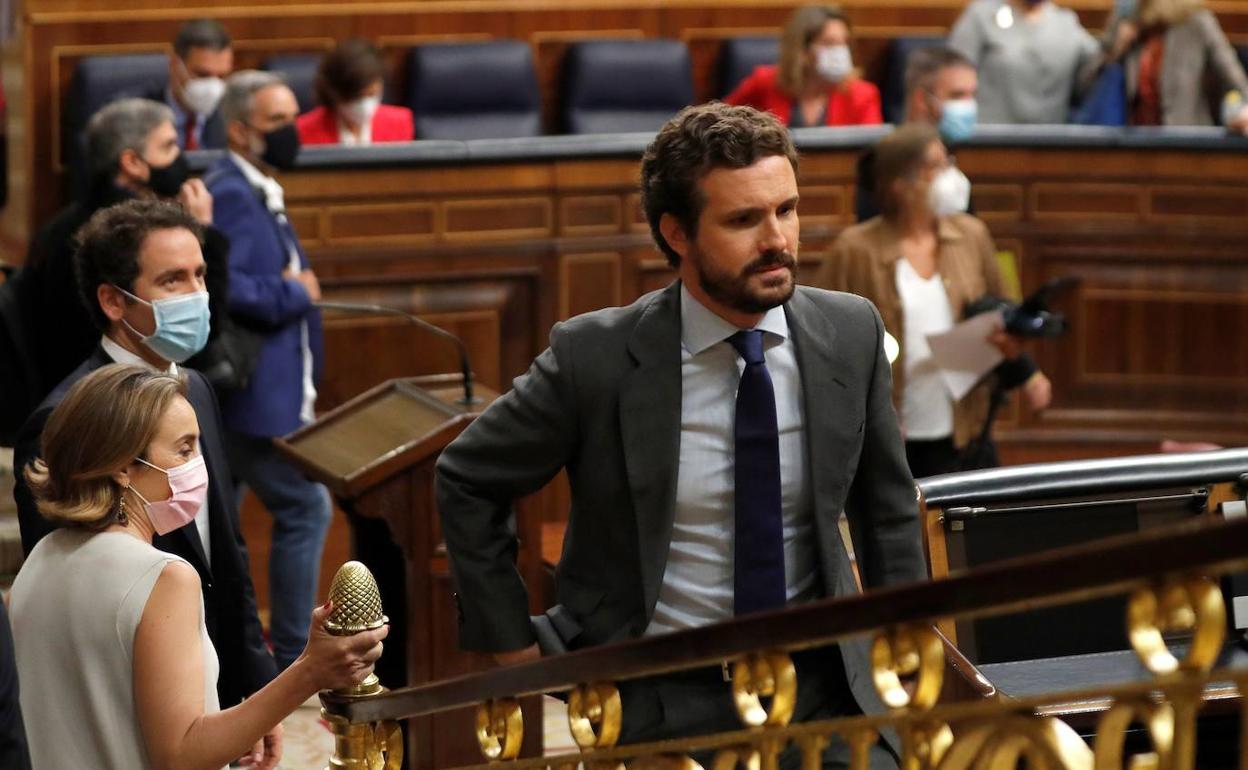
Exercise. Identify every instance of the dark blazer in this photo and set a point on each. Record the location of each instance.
(14, 753)
(229, 599)
(604, 402)
(264, 300)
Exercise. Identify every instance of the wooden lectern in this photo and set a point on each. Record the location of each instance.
(376, 453)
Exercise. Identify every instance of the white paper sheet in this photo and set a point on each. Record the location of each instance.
(964, 353)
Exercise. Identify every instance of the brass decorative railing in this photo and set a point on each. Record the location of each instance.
(1169, 576)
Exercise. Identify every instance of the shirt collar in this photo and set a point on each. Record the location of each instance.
(700, 328)
(122, 356)
(274, 198)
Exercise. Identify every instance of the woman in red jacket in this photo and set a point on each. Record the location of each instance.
(815, 83)
(348, 86)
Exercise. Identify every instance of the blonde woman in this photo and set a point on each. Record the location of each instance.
(815, 83)
(1180, 69)
(116, 667)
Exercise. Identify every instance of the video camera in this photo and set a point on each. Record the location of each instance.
(1032, 317)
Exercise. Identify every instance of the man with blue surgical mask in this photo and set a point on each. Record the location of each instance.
(142, 279)
(941, 89)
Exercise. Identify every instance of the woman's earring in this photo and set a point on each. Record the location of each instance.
(122, 518)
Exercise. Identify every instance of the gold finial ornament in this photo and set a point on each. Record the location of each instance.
(357, 602)
(357, 608)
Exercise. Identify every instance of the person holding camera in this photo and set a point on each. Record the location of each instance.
(922, 261)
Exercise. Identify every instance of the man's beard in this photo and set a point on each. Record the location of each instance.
(736, 291)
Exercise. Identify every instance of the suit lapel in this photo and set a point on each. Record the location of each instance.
(650, 431)
(832, 421)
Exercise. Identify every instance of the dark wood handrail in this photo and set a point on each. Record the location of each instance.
(1112, 565)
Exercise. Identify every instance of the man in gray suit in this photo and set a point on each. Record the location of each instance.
(712, 431)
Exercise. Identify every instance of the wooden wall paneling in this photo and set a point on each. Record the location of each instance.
(530, 217)
(411, 222)
(1184, 203)
(830, 205)
(591, 215)
(493, 317)
(589, 282)
(998, 202)
(1086, 201)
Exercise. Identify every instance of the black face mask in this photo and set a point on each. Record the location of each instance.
(167, 181)
(281, 147)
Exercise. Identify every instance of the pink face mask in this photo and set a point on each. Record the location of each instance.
(189, 486)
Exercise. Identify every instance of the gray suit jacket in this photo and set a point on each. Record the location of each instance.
(604, 402)
(1198, 68)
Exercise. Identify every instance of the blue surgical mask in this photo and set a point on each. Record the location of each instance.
(957, 119)
(182, 325)
(1125, 9)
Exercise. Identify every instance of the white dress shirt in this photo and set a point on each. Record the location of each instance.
(926, 404)
(275, 202)
(698, 581)
(122, 356)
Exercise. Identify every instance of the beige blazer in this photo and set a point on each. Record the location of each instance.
(1198, 68)
(864, 262)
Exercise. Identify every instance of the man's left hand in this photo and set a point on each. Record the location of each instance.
(1037, 392)
(197, 201)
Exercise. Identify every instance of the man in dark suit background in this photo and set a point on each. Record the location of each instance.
(202, 58)
(686, 509)
(272, 288)
(141, 269)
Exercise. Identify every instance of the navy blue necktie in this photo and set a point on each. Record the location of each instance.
(758, 551)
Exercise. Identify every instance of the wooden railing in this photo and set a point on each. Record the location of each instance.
(1169, 575)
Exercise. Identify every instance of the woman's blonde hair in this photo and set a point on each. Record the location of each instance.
(1167, 12)
(900, 155)
(800, 30)
(105, 421)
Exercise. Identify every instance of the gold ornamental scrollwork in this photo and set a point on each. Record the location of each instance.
(594, 715)
(1111, 734)
(1191, 605)
(734, 757)
(500, 728)
(910, 652)
(1044, 743)
(764, 675)
(664, 762)
(924, 745)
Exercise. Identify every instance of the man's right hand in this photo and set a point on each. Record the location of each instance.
(527, 655)
(197, 201)
(308, 279)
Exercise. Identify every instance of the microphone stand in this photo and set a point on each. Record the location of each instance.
(468, 398)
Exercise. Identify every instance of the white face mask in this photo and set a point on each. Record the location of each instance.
(833, 62)
(949, 193)
(202, 95)
(359, 112)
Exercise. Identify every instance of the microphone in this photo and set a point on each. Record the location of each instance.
(358, 307)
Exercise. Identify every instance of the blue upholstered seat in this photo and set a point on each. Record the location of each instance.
(616, 86)
(473, 90)
(893, 90)
(299, 71)
(98, 80)
(738, 56)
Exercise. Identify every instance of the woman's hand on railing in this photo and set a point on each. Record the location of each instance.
(526, 655)
(335, 662)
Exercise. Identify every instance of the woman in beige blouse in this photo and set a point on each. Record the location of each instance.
(921, 261)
